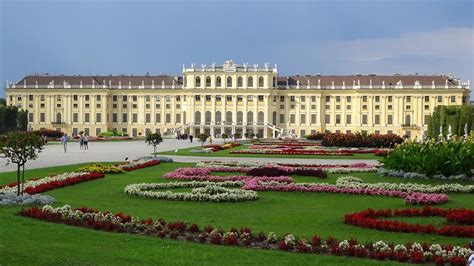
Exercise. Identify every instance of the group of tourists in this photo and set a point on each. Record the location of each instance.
(83, 141)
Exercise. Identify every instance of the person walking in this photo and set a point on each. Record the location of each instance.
(64, 140)
(81, 141)
(191, 138)
(86, 141)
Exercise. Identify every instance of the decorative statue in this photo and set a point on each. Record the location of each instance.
(440, 136)
(423, 135)
(450, 132)
(465, 131)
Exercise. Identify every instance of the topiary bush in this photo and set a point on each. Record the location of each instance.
(266, 171)
(315, 136)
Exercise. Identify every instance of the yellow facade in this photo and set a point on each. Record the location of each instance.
(247, 99)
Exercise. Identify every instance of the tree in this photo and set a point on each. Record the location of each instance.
(202, 138)
(225, 136)
(22, 120)
(18, 148)
(10, 118)
(237, 136)
(3, 101)
(154, 140)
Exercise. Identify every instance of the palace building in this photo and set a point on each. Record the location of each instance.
(232, 98)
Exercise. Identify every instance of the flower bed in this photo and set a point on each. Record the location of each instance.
(410, 175)
(138, 164)
(368, 219)
(360, 140)
(12, 199)
(204, 174)
(121, 223)
(201, 191)
(100, 168)
(410, 197)
(52, 182)
(355, 182)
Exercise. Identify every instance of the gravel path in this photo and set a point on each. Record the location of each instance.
(53, 154)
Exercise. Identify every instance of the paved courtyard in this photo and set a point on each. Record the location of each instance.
(53, 154)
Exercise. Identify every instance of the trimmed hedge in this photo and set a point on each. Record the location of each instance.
(361, 140)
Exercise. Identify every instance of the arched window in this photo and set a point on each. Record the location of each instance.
(198, 82)
(184, 117)
(197, 118)
(274, 82)
(208, 118)
(240, 118)
(58, 118)
(218, 82)
(249, 118)
(208, 81)
(274, 118)
(407, 119)
(250, 82)
(218, 118)
(260, 81)
(228, 117)
(240, 82)
(260, 117)
(229, 81)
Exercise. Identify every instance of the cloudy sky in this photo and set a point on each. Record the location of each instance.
(327, 37)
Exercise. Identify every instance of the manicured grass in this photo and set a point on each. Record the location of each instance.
(25, 240)
(226, 153)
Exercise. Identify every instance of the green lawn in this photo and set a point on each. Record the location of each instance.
(25, 240)
(226, 153)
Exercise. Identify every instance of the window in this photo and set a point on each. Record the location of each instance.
(178, 98)
(86, 117)
(198, 82)
(228, 98)
(87, 98)
(74, 97)
(348, 99)
(389, 119)
(240, 98)
(158, 98)
(348, 119)
(364, 107)
(408, 107)
(408, 99)
(97, 131)
(377, 107)
(168, 118)
(407, 120)
(338, 99)
(178, 118)
(377, 99)
(98, 98)
(364, 119)
(124, 118)
(197, 98)
(134, 106)
(440, 99)
(313, 98)
(377, 119)
(218, 98)
(348, 107)
(389, 99)
(327, 118)
(147, 118)
(426, 119)
(229, 81)
(427, 107)
(328, 99)
(240, 82)
(30, 117)
(134, 98)
(42, 117)
(57, 98)
(427, 98)
(98, 117)
(453, 99)
(41, 98)
(250, 98)
(250, 82)
(302, 99)
(282, 99)
(218, 82)
(303, 119)
(208, 81)
(313, 106)
(134, 118)
(114, 118)
(114, 98)
(282, 118)
(260, 81)
(292, 118)
(292, 99)
(313, 119)
(260, 98)
(75, 117)
(87, 105)
(338, 119)
(147, 98)
(389, 107)
(157, 118)
(124, 98)
(208, 98)
(364, 99)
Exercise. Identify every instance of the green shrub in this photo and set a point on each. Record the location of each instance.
(100, 168)
(431, 158)
(109, 134)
